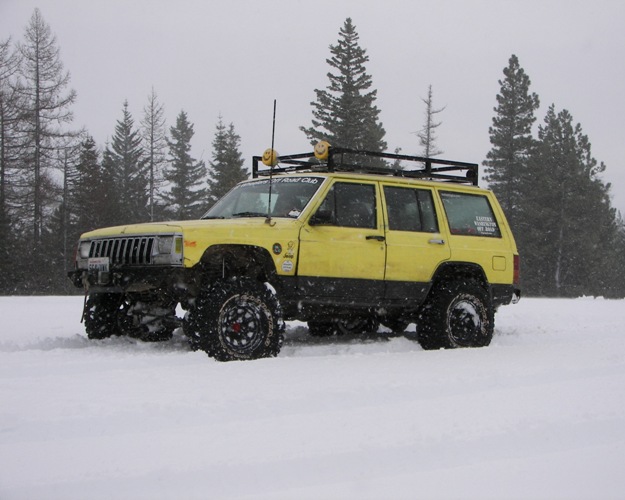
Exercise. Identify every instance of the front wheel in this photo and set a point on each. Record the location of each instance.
(100, 315)
(457, 314)
(237, 319)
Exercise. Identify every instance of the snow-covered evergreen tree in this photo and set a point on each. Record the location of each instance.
(345, 114)
(567, 217)
(511, 139)
(88, 190)
(125, 167)
(185, 198)
(226, 167)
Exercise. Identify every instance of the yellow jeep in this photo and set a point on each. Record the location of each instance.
(341, 239)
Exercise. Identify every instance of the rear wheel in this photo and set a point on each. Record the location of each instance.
(237, 319)
(457, 314)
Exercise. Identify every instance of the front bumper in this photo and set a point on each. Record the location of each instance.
(137, 279)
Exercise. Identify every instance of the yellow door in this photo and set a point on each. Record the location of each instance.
(342, 247)
(414, 244)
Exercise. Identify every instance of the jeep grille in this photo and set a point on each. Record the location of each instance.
(135, 250)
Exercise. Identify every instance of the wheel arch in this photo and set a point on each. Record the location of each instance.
(454, 271)
(225, 261)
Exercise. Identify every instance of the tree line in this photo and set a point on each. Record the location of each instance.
(56, 183)
(571, 239)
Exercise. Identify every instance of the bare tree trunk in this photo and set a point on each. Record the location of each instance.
(427, 138)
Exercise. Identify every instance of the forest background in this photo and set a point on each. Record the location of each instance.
(573, 243)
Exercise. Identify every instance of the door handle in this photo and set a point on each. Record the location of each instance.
(375, 237)
(437, 241)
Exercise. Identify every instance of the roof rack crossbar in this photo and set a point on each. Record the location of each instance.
(428, 168)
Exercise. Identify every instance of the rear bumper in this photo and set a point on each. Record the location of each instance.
(504, 294)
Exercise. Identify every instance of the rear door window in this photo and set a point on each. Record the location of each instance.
(470, 214)
(410, 210)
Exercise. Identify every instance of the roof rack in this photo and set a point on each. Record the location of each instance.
(347, 160)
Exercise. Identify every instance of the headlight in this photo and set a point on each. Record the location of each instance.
(167, 250)
(83, 249)
(165, 243)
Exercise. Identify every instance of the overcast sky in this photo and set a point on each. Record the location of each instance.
(230, 57)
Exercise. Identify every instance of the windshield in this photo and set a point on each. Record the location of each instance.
(289, 197)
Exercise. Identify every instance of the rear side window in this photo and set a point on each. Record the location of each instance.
(410, 209)
(470, 214)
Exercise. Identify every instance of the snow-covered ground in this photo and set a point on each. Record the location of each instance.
(538, 414)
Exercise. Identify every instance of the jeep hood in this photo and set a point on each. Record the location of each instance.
(135, 229)
(185, 227)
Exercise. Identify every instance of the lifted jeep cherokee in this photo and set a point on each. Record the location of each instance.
(338, 238)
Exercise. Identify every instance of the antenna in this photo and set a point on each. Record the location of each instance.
(273, 134)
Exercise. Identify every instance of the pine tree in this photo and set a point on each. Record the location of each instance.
(427, 136)
(9, 157)
(155, 146)
(9, 120)
(45, 106)
(125, 166)
(567, 216)
(186, 199)
(55, 240)
(67, 234)
(45, 268)
(88, 190)
(615, 282)
(511, 139)
(226, 168)
(345, 114)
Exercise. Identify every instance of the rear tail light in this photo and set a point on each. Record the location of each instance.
(517, 270)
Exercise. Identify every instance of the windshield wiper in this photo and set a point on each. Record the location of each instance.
(249, 214)
(213, 217)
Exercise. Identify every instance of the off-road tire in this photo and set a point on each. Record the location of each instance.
(456, 314)
(100, 316)
(237, 319)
